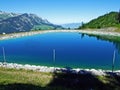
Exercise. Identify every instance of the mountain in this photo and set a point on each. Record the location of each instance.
(108, 20)
(71, 25)
(5, 15)
(13, 23)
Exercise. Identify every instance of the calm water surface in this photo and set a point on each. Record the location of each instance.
(72, 50)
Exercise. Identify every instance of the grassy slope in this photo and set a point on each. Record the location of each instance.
(42, 27)
(107, 20)
(11, 79)
(45, 27)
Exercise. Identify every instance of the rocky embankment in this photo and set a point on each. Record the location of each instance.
(57, 69)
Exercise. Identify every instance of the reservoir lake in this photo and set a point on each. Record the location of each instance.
(72, 49)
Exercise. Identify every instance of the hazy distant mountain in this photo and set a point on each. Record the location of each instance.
(11, 23)
(71, 25)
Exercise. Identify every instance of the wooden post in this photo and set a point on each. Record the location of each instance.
(4, 60)
(113, 62)
(54, 53)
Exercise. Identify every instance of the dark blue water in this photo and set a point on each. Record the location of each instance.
(71, 51)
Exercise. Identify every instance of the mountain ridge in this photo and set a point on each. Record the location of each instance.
(23, 22)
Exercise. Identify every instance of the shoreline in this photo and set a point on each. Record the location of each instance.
(57, 69)
(52, 69)
(94, 32)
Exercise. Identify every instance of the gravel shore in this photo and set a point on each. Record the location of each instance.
(95, 32)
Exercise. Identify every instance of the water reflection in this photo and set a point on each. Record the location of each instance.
(82, 35)
(112, 39)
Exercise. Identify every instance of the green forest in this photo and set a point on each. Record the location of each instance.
(111, 19)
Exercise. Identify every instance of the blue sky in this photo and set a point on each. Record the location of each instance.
(62, 11)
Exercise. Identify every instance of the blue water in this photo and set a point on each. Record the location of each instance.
(72, 50)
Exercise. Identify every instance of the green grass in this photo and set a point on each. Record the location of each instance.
(13, 79)
(10, 76)
(117, 29)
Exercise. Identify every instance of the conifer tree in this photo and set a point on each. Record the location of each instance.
(119, 16)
